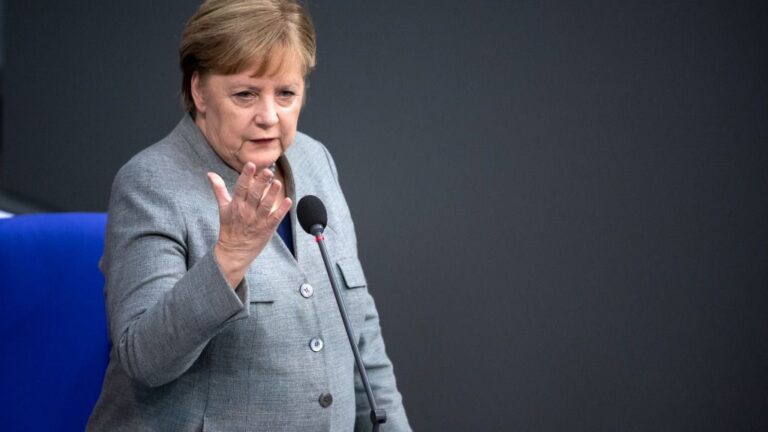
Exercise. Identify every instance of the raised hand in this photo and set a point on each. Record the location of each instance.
(248, 220)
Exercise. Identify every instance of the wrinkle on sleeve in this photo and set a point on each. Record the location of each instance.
(161, 313)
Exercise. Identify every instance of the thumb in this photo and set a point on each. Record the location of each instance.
(219, 189)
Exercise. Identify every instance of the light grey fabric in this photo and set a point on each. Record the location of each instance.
(191, 354)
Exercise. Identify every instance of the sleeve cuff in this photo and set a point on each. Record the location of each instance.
(221, 299)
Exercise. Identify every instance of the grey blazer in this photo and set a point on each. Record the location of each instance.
(191, 354)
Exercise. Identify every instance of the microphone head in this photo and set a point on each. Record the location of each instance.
(310, 212)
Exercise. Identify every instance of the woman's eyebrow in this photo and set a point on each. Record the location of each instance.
(250, 85)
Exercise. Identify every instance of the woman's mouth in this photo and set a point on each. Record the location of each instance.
(263, 141)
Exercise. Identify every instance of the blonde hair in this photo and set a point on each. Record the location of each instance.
(227, 36)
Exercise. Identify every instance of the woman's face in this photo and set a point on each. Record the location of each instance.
(249, 118)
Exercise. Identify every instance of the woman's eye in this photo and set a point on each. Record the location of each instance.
(287, 94)
(245, 95)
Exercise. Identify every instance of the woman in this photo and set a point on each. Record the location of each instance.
(216, 323)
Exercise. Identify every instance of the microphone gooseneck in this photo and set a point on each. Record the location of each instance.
(313, 218)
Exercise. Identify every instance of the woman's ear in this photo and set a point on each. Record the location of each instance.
(197, 92)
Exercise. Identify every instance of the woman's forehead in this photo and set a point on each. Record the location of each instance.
(279, 60)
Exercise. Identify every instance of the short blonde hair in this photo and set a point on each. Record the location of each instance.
(227, 36)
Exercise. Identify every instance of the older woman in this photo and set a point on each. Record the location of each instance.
(216, 323)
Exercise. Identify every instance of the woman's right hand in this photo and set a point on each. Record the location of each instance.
(248, 220)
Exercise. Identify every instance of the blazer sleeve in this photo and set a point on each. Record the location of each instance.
(161, 313)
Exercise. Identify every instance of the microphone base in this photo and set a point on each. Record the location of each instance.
(378, 416)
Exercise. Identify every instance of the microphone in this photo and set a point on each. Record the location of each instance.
(312, 215)
(313, 218)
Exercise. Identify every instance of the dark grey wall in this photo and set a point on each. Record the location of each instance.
(561, 205)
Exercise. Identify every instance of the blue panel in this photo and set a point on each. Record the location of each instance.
(52, 320)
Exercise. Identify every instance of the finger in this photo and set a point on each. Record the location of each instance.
(219, 189)
(244, 181)
(268, 201)
(276, 216)
(260, 186)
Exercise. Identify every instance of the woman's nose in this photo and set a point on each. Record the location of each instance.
(266, 114)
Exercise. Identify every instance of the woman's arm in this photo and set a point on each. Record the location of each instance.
(162, 313)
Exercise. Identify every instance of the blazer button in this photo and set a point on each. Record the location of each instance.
(325, 400)
(306, 290)
(316, 344)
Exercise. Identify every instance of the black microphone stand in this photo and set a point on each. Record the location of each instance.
(378, 415)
